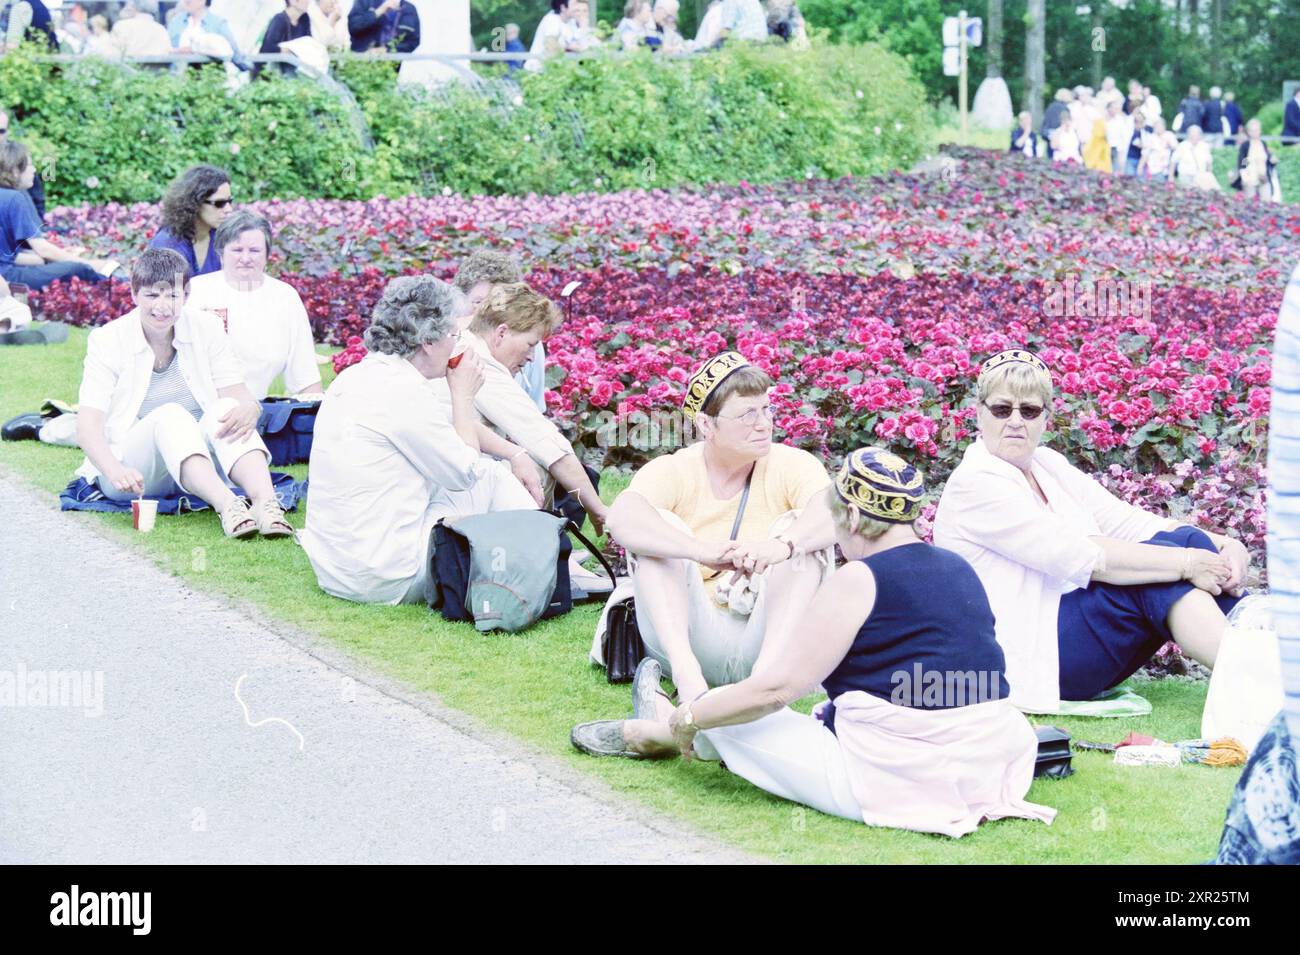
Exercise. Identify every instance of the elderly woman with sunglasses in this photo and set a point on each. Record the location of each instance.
(1084, 586)
(194, 206)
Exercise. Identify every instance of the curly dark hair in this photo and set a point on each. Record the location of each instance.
(188, 191)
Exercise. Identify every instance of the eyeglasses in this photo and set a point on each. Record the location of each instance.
(1027, 412)
(218, 203)
(750, 417)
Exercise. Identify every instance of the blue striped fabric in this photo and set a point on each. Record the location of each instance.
(1284, 497)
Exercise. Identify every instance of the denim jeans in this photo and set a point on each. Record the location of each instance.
(36, 277)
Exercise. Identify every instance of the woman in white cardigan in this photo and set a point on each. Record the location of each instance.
(164, 408)
(1084, 586)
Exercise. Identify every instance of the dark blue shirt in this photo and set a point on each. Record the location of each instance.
(18, 222)
(515, 46)
(166, 239)
(929, 641)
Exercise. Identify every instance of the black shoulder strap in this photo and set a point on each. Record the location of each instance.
(593, 550)
(744, 498)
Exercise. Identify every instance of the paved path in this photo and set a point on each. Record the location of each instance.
(170, 771)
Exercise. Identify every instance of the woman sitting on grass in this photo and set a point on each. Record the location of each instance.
(40, 261)
(195, 204)
(506, 328)
(388, 460)
(164, 409)
(920, 734)
(264, 317)
(1085, 587)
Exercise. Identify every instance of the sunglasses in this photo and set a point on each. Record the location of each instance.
(218, 203)
(1027, 412)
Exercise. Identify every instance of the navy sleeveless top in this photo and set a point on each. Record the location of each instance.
(929, 642)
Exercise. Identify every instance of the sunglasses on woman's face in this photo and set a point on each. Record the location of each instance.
(1003, 410)
(219, 203)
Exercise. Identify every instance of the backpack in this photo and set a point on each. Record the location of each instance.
(505, 570)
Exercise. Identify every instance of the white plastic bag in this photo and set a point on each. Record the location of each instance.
(1246, 685)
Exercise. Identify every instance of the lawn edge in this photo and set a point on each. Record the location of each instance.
(362, 670)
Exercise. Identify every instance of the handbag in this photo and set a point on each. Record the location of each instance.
(504, 570)
(621, 645)
(287, 427)
(1053, 758)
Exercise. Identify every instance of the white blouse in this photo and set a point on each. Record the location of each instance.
(1028, 554)
(508, 408)
(268, 328)
(119, 367)
(382, 454)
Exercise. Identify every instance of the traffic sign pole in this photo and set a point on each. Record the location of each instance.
(961, 81)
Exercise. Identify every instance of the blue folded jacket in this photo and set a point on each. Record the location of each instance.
(81, 495)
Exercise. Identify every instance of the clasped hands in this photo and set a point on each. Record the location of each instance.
(1221, 572)
(745, 558)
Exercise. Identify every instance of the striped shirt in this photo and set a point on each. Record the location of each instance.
(168, 387)
(1284, 497)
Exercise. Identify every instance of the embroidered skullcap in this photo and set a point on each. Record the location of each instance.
(706, 381)
(1018, 356)
(878, 483)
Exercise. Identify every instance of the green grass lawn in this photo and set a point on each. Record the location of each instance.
(536, 684)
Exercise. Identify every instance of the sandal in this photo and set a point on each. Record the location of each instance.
(270, 520)
(237, 521)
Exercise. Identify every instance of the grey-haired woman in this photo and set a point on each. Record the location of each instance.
(264, 317)
(387, 461)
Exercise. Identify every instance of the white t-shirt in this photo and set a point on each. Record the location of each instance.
(1067, 148)
(268, 329)
(549, 39)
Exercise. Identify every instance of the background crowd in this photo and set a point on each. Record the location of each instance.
(1111, 132)
(233, 29)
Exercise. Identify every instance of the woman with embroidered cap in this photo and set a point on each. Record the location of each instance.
(1085, 587)
(909, 678)
(727, 540)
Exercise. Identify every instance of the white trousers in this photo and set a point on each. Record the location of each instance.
(497, 490)
(159, 442)
(725, 644)
(789, 755)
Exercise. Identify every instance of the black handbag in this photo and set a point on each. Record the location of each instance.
(622, 647)
(1053, 753)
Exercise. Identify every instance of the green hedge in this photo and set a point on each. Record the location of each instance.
(755, 113)
(105, 133)
(101, 132)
